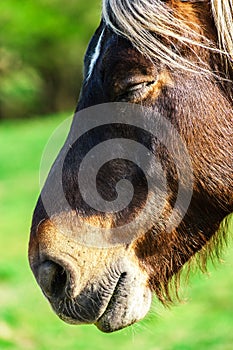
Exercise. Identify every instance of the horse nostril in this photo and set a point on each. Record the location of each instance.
(53, 279)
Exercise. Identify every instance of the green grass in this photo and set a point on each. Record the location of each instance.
(203, 321)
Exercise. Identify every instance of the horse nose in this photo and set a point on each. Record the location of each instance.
(53, 279)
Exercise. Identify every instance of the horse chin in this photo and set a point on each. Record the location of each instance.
(124, 308)
(119, 315)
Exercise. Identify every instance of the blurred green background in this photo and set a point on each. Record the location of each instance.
(41, 49)
(42, 43)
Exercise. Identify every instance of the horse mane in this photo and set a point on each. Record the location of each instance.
(158, 31)
(223, 15)
(168, 290)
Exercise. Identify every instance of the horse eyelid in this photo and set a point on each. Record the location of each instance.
(139, 86)
(192, 1)
(135, 88)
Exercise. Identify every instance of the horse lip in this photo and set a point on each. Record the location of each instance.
(92, 316)
(115, 317)
(113, 295)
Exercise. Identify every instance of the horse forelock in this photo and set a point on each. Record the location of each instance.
(157, 30)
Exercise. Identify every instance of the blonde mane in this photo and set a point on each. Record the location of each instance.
(145, 22)
(223, 15)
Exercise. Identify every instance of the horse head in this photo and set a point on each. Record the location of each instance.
(153, 127)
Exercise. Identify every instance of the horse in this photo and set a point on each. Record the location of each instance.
(158, 73)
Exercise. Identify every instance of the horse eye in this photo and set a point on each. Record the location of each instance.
(137, 86)
(136, 91)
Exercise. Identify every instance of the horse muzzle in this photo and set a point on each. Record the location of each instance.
(87, 285)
